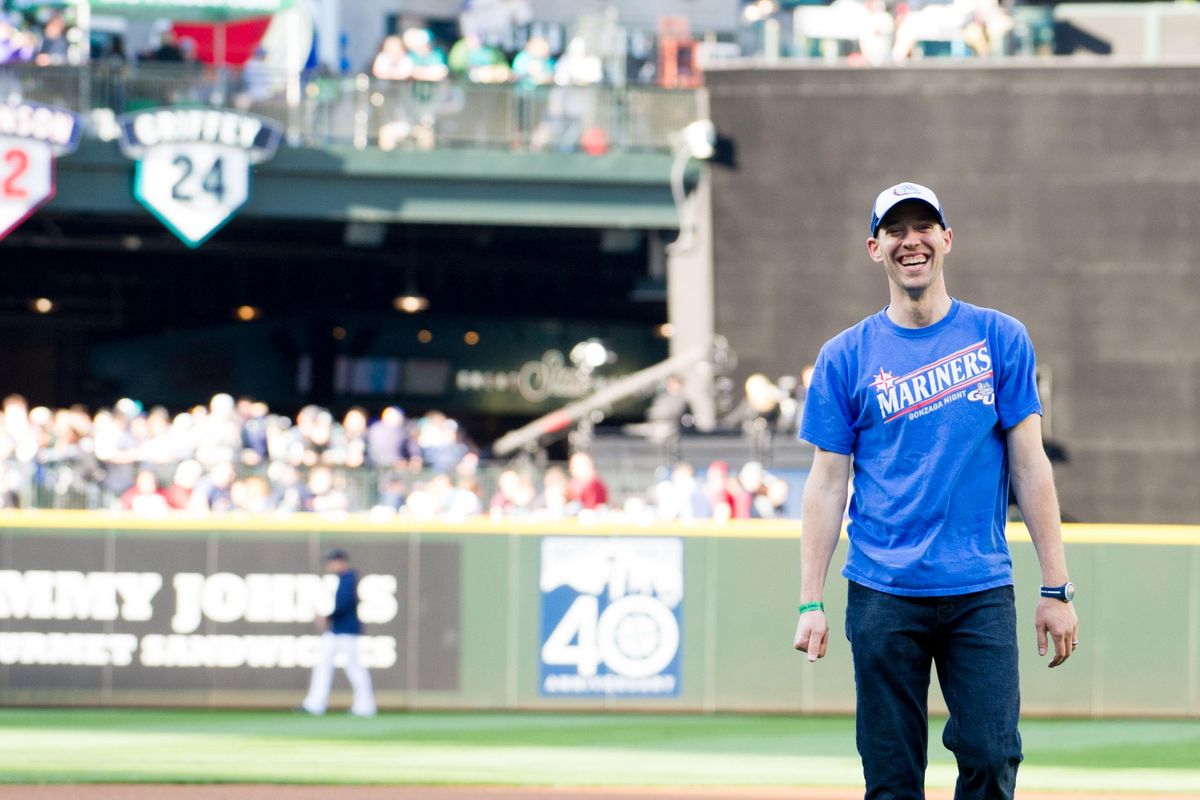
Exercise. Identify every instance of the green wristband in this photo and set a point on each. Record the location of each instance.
(817, 606)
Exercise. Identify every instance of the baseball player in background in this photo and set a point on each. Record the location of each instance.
(339, 640)
(933, 402)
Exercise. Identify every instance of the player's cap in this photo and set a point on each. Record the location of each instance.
(900, 193)
(337, 554)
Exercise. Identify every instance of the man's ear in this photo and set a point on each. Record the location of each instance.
(876, 253)
(948, 238)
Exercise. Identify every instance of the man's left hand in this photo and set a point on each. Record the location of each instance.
(1056, 621)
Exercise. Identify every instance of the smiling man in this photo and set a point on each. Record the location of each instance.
(933, 403)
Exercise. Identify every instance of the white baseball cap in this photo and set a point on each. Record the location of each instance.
(901, 192)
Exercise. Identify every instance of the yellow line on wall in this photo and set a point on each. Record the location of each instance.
(1177, 535)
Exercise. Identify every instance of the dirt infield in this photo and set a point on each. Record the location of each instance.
(273, 792)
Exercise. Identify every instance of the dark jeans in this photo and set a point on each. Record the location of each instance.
(972, 638)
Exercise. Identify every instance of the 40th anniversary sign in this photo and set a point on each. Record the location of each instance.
(193, 164)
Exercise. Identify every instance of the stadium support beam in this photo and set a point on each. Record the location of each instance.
(690, 293)
(556, 422)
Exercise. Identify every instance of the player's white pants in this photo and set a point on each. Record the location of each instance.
(342, 646)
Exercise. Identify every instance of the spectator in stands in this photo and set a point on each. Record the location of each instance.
(571, 107)
(393, 492)
(438, 438)
(252, 495)
(116, 448)
(980, 24)
(168, 50)
(187, 475)
(472, 58)
(515, 495)
(439, 497)
(718, 491)
(145, 496)
(669, 415)
(8, 38)
(219, 432)
(290, 493)
(758, 414)
(555, 495)
(390, 443)
(586, 492)
(258, 82)
(876, 27)
(18, 440)
(10, 483)
(577, 67)
(254, 421)
(767, 493)
(392, 62)
(152, 432)
(317, 428)
(326, 491)
(428, 61)
(681, 496)
(989, 28)
(533, 65)
(283, 442)
(18, 45)
(54, 48)
(214, 492)
(348, 445)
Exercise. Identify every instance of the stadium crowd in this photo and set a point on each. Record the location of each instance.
(238, 456)
(37, 40)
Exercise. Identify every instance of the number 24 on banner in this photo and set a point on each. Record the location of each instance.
(193, 188)
(26, 180)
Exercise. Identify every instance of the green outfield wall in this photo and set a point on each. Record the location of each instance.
(105, 609)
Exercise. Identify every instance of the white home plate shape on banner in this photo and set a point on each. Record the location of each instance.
(193, 164)
(31, 135)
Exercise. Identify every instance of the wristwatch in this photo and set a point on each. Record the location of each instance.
(1066, 592)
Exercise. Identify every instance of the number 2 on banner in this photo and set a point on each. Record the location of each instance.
(26, 180)
(16, 163)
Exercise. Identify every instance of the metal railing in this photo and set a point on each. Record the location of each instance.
(364, 112)
(72, 485)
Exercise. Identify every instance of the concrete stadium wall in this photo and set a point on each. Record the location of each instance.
(461, 615)
(1071, 192)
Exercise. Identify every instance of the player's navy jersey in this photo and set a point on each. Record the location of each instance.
(923, 413)
(344, 617)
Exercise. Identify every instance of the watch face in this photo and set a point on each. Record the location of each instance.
(1069, 591)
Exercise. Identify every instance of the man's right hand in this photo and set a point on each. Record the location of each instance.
(812, 634)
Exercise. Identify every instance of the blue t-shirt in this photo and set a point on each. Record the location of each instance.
(923, 414)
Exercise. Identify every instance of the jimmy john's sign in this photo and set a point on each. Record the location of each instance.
(182, 617)
(193, 164)
(196, 601)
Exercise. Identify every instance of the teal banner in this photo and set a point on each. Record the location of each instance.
(212, 10)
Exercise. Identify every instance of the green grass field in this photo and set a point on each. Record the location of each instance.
(94, 746)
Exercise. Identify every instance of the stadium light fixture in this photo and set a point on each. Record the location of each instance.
(247, 313)
(411, 300)
(410, 303)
